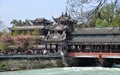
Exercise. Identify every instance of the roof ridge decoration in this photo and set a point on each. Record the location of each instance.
(55, 36)
(64, 18)
(57, 27)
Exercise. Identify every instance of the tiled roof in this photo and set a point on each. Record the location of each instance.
(58, 27)
(41, 20)
(96, 39)
(27, 27)
(111, 30)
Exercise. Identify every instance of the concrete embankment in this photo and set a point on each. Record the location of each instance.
(22, 64)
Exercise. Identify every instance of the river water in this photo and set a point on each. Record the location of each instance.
(67, 71)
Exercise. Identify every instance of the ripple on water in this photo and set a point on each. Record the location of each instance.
(67, 71)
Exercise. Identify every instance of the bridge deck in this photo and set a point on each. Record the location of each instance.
(94, 55)
(71, 54)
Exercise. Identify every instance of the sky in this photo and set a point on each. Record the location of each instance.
(30, 9)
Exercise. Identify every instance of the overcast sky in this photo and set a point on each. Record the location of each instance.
(30, 9)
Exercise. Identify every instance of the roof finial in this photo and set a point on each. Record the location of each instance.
(66, 12)
(69, 15)
(62, 14)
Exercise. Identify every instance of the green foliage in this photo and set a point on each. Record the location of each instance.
(92, 23)
(28, 32)
(16, 32)
(76, 25)
(2, 64)
(116, 19)
(108, 15)
(107, 12)
(0, 33)
(2, 47)
(116, 22)
(101, 23)
(36, 32)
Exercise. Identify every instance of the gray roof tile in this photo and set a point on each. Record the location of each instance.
(111, 30)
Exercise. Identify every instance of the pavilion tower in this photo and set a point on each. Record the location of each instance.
(66, 20)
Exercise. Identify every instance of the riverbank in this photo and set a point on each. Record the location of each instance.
(24, 64)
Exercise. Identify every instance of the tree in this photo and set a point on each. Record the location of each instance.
(16, 32)
(101, 23)
(14, 22)
(116, 21)
(5, 41)
(108, 16)
(2, 47)
(85, 11)
(20, 23)
(23, 41)
(116, 18)
(36, 32)
(27, 22)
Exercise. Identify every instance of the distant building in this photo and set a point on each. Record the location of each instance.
(62, 35)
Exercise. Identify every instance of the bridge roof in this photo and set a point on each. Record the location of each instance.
(96, 35)
(96, 39)
(107, 30)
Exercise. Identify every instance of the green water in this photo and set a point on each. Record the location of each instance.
(67, 71)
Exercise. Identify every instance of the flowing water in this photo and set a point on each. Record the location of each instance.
(67, 71)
